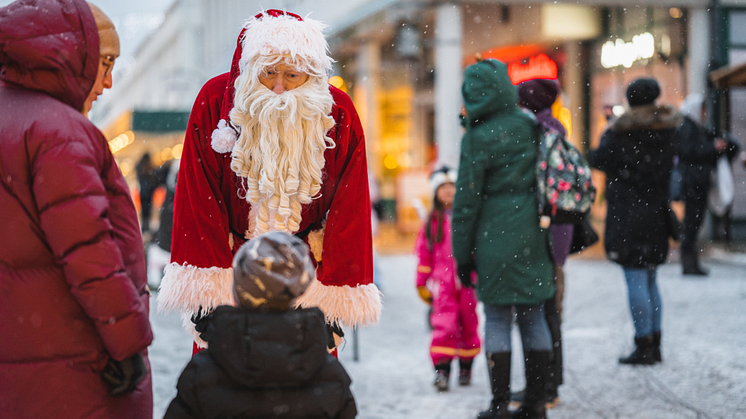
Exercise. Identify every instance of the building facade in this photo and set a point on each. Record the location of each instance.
(401, 62)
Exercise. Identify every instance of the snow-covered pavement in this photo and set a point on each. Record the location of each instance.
(703, 374)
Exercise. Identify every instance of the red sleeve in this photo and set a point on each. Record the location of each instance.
(74, 212)
(201, 228)
(345, 291)
(200, 273)
(348, 239)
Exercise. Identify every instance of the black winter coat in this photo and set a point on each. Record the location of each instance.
(636, 153)
(698, 156)
(262, 365)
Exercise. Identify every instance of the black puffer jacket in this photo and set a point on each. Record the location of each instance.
(636, 153)
(262, 365)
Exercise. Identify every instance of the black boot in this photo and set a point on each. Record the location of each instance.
(537, 375)
(442, 374)
(464, 372)
(643, 353)
(498, 366)
(554, 378)
(690, 263)
(657, 347)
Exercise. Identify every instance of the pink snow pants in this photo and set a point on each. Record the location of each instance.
(455, 324)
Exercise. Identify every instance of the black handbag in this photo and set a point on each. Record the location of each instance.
(675, 229)
(583, 236)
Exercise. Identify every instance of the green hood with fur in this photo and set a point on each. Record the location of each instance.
(495, 212)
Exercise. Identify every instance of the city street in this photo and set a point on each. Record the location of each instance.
(703, 374)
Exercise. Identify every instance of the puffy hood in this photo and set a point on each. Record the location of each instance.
(259, 349)
(648, 117)
(50, 46)
(487, 91)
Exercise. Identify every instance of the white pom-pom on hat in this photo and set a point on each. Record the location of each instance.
(443, 175)
(224, 137)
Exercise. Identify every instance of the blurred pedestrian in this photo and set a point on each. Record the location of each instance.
(159, 250)
(453, 315)
(538, 96)
(271, 145)
(699, 149)
(496, 233)
(147, 179)
(265, 359)
(636, 153)
(72, 270)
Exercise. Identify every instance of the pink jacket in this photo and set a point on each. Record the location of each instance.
(437, 264)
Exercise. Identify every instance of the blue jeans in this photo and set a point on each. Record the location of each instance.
(644, 300)
(531, 322)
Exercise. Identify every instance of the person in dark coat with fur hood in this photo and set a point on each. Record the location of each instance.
(636, 153)
(265, 359)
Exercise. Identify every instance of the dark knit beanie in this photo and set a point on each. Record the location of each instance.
(643, 91)
(537, 94)
(271, 271)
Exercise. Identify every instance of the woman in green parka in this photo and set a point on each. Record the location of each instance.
(496, 232)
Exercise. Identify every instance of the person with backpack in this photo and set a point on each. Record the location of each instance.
(496, 233)
(265, 358)
(538, 96)
(636, 153)
(453, 315)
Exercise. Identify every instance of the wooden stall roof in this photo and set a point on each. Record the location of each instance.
(729, 76)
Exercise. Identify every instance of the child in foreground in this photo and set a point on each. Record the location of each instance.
(453, 317)
(265, 358)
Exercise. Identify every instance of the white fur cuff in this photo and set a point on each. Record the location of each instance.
(350, 306)
(187, 288)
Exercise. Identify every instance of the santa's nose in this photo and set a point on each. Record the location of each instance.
(279, 86)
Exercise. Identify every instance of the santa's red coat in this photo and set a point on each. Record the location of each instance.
(211, 220)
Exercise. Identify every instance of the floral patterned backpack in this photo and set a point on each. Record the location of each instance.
(563, 177)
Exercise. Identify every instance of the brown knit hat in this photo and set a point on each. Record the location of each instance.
(270, 271)
(107, 33)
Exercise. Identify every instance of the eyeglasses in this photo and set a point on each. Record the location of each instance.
(108, 62)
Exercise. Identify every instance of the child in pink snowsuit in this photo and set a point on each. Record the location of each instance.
(454, 317)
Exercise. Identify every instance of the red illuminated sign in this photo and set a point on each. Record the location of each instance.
(538, 67)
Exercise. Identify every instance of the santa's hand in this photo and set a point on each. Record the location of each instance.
(425, 294)
(200, 319)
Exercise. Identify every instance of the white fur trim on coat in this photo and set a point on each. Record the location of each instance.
(187, 288)
(223, 138)
(350, 306)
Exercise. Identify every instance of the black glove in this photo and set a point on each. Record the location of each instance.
(124, 376)
(200, 320)
(333, 329)
(464, 275)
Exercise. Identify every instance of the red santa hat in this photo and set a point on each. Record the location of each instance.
(299, 41)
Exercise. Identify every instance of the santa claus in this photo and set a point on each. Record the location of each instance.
(272, 146)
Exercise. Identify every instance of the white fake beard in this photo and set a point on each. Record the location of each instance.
(280, 151)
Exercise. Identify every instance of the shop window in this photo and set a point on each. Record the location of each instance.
(737, 31)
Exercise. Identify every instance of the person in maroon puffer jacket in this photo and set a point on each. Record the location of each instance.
(73, 290)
